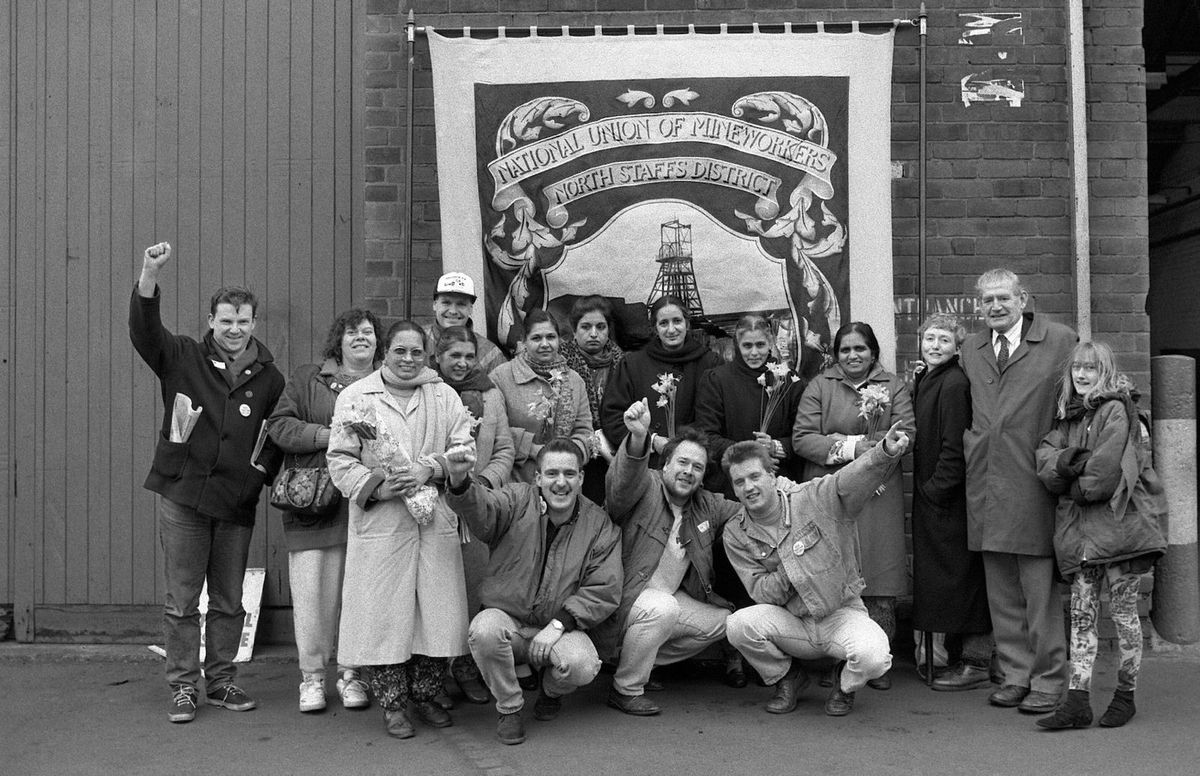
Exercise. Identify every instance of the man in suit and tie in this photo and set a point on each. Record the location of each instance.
(1013, 367)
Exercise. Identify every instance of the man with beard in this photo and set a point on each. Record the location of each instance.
(668, 609)
(452, 303)
(795, 548)
(554, 572)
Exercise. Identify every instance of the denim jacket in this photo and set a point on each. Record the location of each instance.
(814, 570)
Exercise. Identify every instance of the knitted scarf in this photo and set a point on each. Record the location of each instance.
(594, 369)
(562, 398)
(694, 347)
(470, 390)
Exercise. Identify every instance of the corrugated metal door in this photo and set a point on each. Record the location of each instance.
(226, 128)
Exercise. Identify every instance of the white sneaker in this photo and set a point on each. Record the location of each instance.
(353, 691)
(312, 693)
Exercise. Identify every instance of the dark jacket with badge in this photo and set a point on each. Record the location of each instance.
(212, 471)
(814, 570)
(637, 502)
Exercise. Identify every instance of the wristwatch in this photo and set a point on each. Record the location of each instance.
(557, 624)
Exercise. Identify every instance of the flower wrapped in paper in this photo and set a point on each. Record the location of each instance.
(873, 402)
(666, 387)
(777, 380)
(382, 451)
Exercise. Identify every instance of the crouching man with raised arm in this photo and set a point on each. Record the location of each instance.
(554, 573)
(795, 548)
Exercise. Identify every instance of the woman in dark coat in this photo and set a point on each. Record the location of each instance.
(674, 349)
(732, 401)
(949, 593)
(730, 407)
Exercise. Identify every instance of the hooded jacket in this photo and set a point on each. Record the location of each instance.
(1111, 505)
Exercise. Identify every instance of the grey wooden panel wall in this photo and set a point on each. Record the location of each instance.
(227, 128)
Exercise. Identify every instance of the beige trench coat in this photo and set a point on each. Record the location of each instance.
(404, 592)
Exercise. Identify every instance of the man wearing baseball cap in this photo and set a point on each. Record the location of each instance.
(452, 303)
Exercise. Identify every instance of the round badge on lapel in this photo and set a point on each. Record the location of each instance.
(245, 410)
(798, 548)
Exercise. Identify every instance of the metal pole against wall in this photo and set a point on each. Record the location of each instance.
(1080, 232)
(410, 30)
(921, 246)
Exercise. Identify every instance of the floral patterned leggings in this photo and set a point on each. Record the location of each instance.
(1085, 610)
(417, 679)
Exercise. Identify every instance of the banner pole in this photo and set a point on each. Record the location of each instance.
(921, 246)
(410, 29)
(667, 29)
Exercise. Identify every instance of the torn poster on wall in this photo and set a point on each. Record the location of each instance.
(979, 87)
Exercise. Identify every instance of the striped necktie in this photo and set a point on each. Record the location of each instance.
(1002, 356)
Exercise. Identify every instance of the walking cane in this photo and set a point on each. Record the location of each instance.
(928, 658)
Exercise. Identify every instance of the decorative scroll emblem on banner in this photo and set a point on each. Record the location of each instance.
(731, 192)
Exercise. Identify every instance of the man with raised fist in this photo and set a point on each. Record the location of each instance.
(209, 467)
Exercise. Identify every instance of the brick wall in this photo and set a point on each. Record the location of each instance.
(998, 182)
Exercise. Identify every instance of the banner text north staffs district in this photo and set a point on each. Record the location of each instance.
(658, 129)
(660, 170)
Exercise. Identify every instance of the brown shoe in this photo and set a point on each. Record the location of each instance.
(839, 703)
(1039, 703)
(962, 677)
(473, 690)
(1008, 696)
(398, 724)
(881, 682)
(787, 691)
(546, 708)
(510, 729)
(432, 714)
(637, 705)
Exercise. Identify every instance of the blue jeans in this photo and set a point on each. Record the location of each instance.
(194, 547)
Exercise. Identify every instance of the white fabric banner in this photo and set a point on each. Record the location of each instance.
(728, 169)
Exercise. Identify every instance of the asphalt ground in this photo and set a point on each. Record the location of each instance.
(101, 710)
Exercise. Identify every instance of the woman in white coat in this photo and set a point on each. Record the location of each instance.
(404, 610)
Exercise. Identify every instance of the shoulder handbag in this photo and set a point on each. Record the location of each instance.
(306, 492)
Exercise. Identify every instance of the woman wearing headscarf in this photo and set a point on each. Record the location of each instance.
(593, 354)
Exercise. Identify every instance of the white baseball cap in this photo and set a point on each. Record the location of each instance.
(456, 283)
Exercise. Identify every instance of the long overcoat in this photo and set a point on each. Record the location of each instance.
(404, 592)
(949, 591)
(1008, 509)
(830, 406)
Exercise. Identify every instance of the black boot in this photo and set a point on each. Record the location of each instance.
(1120, 710)
(1074, 712)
